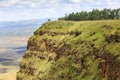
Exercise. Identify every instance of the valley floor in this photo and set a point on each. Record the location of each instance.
(8, 72)
(8, 76)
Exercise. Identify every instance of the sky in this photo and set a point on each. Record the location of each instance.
(15, 10)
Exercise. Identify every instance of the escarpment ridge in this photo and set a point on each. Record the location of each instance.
(69, 50)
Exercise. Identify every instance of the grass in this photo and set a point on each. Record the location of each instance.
(70, 50)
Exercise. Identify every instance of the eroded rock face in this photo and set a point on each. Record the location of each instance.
(62, 50)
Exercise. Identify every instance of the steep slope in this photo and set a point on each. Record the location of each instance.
(65, 50)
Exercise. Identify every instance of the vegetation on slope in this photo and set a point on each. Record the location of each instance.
(66, 50)
(95, 14)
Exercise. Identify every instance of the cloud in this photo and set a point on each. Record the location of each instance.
(111, 2)
(32, 9)
(53, 3)
(28, 3)
(22, 3)
(81, 1)
(47, 3)
(75, 1)
(88, 2)
(8, 3)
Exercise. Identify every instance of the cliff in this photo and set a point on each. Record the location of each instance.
(68, 50)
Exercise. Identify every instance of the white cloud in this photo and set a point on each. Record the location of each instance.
(49, 3)
(29, 3)
(68, 7)
(94, 2)
(8, 3)
(31, 9)
(90, 1)
(24, 3)
(75, 1)
(111, 2)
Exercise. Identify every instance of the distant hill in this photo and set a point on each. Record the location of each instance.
(9, 58)
(9, 54)
(14, 34)
(20, 28)
(13, 40)
(20, 50)
(13, 37)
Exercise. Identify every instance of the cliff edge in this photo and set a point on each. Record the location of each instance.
(69, 50)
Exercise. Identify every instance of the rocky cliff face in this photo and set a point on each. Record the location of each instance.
(61, 50)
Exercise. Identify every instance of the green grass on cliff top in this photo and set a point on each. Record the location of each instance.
(90, 30)
(79, 25)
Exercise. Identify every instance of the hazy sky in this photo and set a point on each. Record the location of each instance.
(12, 10)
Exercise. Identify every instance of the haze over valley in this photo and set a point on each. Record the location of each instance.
(13, 41)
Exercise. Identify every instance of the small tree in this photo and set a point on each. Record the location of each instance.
(49, 19)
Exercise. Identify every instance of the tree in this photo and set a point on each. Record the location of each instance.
(95, 14)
